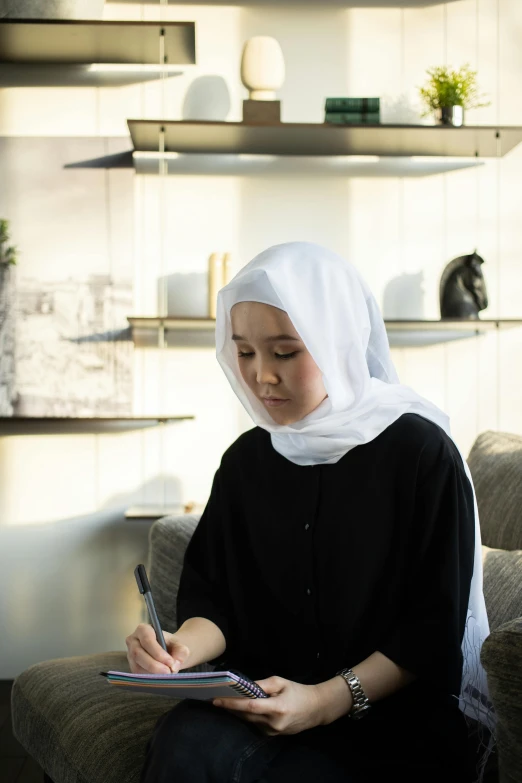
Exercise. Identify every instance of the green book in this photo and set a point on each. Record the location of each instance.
(364, 105)
(353, 118)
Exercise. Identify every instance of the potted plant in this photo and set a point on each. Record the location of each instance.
(8, 255)
(7, 322)
(7, 261)
(448, 93)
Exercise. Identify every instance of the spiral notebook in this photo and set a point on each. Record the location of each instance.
(189, 685)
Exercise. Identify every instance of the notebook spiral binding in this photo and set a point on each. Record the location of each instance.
(247, 688)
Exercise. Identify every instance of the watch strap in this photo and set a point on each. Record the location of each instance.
(361, 703)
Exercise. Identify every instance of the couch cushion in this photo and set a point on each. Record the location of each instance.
(79, 728)
(495, 462)
(168, 540)
(501, 656)
(502, 585)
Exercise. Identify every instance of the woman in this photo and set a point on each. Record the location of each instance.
(337, 561)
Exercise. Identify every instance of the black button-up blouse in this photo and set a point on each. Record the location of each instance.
(310, 569)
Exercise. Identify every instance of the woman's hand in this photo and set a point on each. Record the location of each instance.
(146, 656)
(291, 708)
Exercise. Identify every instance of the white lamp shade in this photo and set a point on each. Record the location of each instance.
(262, 67)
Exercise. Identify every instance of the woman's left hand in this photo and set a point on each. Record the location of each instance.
(291, 708)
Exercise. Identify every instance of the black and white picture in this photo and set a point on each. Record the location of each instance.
(64, 339)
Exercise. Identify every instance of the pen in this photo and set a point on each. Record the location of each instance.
(144, 588)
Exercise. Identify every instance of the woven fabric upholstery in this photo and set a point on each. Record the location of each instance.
(168, 540)
(495, 462)
(501, 657)
(502, 585)
(79, 728)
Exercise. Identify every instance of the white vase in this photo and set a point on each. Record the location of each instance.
(51, 9)
(262, 68)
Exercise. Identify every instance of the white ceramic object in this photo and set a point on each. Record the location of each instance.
(262, 67)
(51, 9)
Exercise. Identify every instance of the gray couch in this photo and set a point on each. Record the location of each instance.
(81, 730)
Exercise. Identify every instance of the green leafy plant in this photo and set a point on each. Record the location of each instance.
(447, 87)
(8, 255)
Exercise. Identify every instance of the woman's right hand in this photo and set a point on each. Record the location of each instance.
(146, 656)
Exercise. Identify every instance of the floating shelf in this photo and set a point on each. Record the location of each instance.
(153, 511)
(302, 166)
(313, 139)
(32, 75)
(411, 333)
(53, 425)
(178, 324)
(305, 3)
(467, 325)
(158, 510)
(92, 53)
(149, 331)
(270, 165)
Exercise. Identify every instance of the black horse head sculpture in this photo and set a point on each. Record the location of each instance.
(463, 288)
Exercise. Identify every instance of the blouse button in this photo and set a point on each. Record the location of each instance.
(307, 526)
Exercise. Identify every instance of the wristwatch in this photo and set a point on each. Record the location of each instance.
(361, 704)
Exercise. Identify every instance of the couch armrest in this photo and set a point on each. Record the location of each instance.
(168, 540)
(501, 657)
(495, 462)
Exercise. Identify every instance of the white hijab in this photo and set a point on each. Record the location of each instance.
(338, 319)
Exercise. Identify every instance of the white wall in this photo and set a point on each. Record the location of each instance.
(62, 497)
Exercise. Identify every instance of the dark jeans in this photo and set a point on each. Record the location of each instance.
(196, 742)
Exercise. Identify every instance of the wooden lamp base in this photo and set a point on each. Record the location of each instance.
(262, 112)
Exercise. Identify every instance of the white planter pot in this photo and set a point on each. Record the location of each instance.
(51, 9)
(262, 67)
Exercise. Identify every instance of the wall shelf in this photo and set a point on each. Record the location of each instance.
(317, 139)
(153, 511)
(412, 333)
(298, 166)
(33, 75)
(92, 53)
(270, 165)
(178, 324)
(305, 3)
(467, 325)
(54, 425)
(150, 331)
(158, 510)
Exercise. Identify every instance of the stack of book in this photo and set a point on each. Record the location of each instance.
(352, 111)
